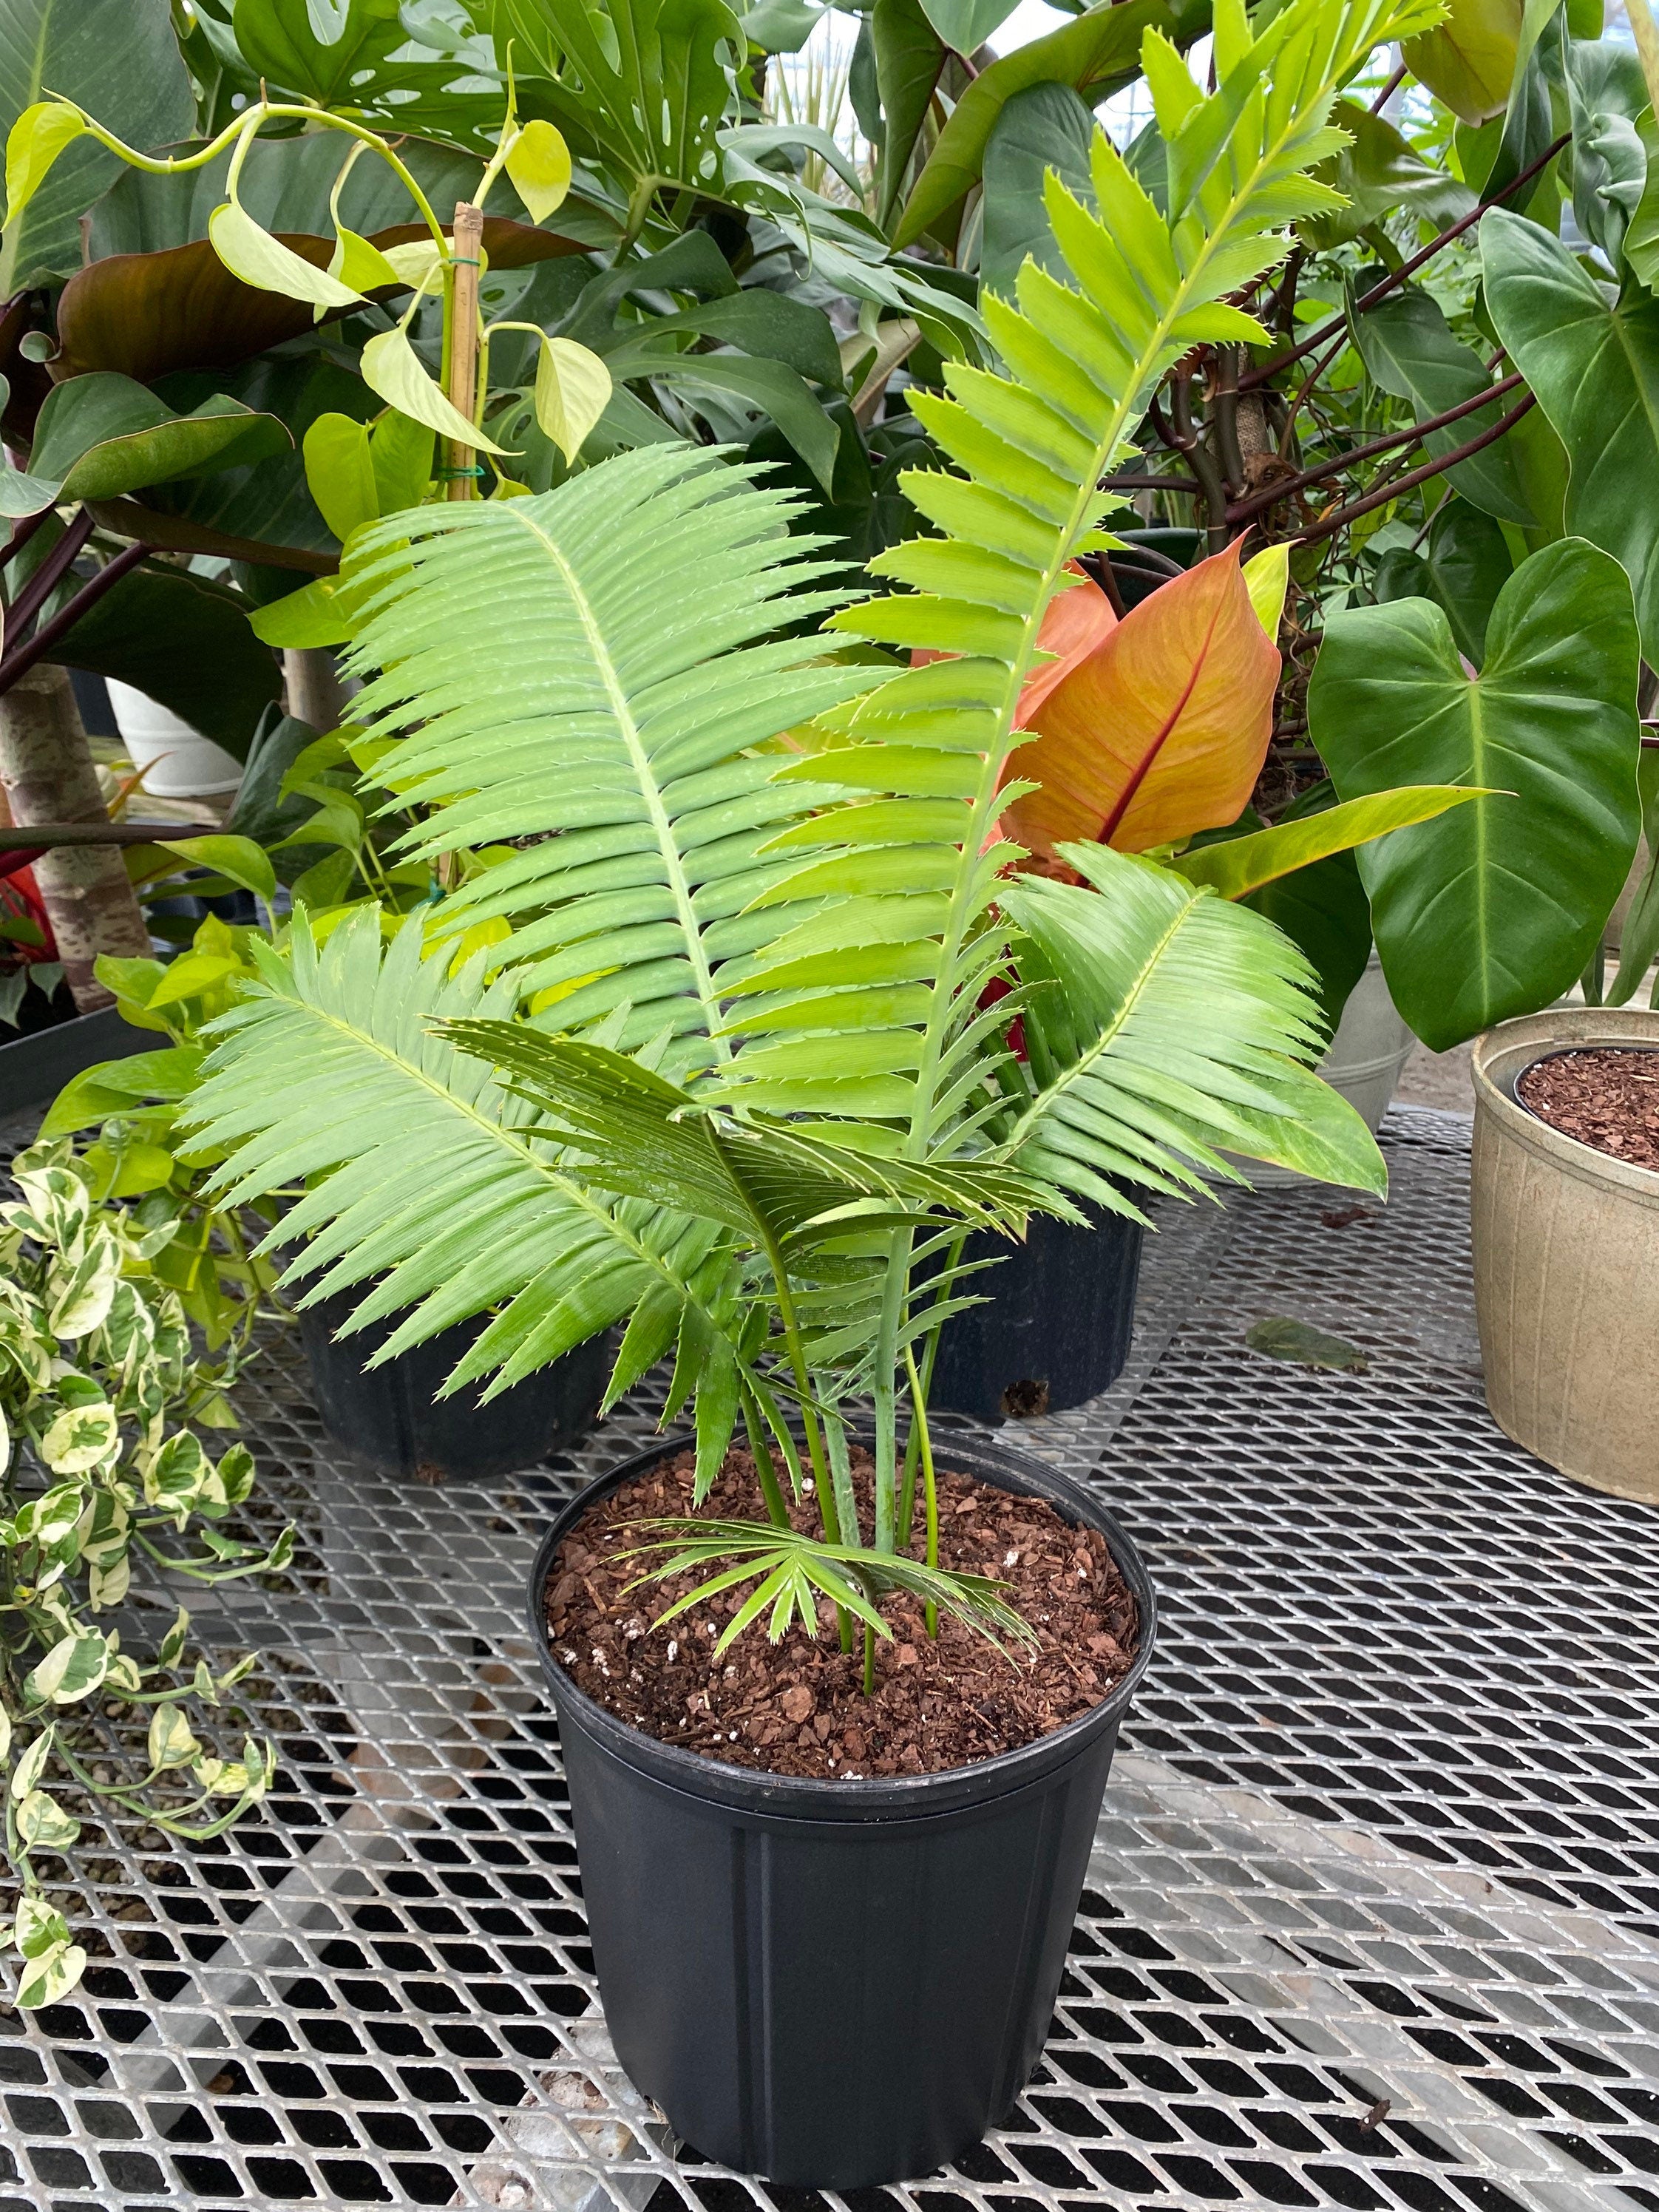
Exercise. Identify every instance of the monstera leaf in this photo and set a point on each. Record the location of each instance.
(1494, 909)
(645, 85)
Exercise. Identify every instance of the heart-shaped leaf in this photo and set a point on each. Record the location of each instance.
(573, 390)
(340, 473)
(358, 262)
(1492, 910)
(34, 143)
(261, 259)
(392, 366)
(1594, 364)
(538, 163)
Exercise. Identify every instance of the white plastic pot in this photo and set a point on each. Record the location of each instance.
(176, 761)
(1370, 1048)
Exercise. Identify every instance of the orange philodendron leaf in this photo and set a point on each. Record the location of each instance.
(1159, 731)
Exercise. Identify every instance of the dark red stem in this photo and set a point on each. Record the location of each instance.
(1406, 268)
(1395, 485)
(23, 657)
(1244, 509)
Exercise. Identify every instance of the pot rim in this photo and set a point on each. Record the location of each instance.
(1504, 1054)
(876, 1796)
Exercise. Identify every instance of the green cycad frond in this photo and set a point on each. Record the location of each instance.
(588, 662)
(1180, 1023)
(918, 855)
(629, 1129)
(810, 1215)
(789, 1569)
(428, 1179)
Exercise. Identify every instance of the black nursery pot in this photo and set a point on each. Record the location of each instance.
(1056, 1324)
(392, 1416)
(835, 1985)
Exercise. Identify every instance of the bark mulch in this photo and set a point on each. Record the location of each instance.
(1605, 1097)
(798, 1707)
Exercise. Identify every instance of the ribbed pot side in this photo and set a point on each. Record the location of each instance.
(836, 1984)
(1566, 1266)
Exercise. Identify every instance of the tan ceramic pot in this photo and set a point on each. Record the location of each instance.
(1566, 1266)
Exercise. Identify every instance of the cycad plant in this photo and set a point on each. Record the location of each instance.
(722, 1045)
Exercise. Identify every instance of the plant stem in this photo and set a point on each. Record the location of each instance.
(919, 1395)
(1395, 485)
(765, 1471)
(1242, 509)
(930, 1490)
(869, 1660)
(892, 1310)
(1406, 269)
(841, 1470)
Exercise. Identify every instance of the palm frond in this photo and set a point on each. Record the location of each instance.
(1179, 1022)
(590, 663)
(427, 1179)
(919, 864)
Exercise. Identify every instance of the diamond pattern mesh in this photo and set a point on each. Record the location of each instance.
(1373, 1917)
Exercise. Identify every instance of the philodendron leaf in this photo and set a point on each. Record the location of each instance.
(1238, 865)
(1492, 910)
(340, 473)
(538, 163)
(1047, 126)
(573, 390)
(1468, 565)
(392, 366)
(1379, 173)
(1161, 731)
(102, 435)
(1607, 95)
(1101, 46)
(1468, 58)
(251, 253)
(1594, 364)
(1268, 579)
(967, 24)
(1408, 349)
(36, 139)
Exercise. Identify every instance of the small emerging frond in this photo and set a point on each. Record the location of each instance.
(789, 1567)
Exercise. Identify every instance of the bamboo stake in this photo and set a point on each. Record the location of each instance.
(461, 366)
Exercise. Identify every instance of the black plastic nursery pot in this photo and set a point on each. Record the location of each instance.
(1055, 1328)
(835, 1985)
(393, 1417)
(35, 1065)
